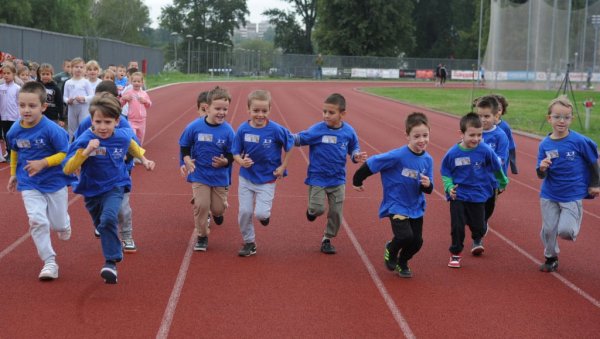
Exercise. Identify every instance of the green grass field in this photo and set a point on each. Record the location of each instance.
(526, 111)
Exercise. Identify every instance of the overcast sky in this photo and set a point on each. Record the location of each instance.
(256, 7)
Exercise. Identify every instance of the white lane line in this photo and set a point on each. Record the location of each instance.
(389, 301)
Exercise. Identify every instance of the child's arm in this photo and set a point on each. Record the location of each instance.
(75, 162)
(12, 181)
(243, 160)
(138, 152)
(145, 100)
(543, 167)
(359, 176)
(449, 187)
(281, 169)
(33, 167)
(502, 180)
(594, 187)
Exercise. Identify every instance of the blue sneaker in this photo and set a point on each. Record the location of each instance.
(109, 273)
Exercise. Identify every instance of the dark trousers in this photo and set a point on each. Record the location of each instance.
(408, 238)
(6, 125)
(512, 161)
(490, 205)
(465, 213)
(104, 210)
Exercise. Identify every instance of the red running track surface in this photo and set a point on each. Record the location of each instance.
(290, 289)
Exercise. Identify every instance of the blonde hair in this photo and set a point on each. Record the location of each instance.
(109, 73)
(137, 74)
(10, 67)
(77, 61)
(260, 94)
(562, 101)
(93, 64)
(22, 69)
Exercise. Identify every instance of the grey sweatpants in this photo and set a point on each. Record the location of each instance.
(257, 198)
(559, 219)
(125, 224)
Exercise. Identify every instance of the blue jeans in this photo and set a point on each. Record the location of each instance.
(104, 210)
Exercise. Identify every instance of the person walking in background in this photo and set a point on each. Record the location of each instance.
(319, 62)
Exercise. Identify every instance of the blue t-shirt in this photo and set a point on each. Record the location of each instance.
(263, 146)
(470, 169)
(207, 141)
(506, 128)
(105, 168)
(327, 152)
(498, 141)
(401, 171)
(36, 143)
(568, 177)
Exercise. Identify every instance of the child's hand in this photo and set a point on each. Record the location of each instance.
(12, 183)
(358, 188)
(545, 163)
(246, 161)
(61, 123)
(452, 192)
(594, 191)
(33, 167)
(126, 97)
(220, 161)
(92, 146)
(80, 99)
(360, 157)
(425, 182)
(278, 172)
(189, 164)
(183, 171)
(148, 164)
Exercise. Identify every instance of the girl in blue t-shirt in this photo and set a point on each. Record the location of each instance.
(406, 174)
(100, 153)
(568, 163)
(205, 147)
(512, 147)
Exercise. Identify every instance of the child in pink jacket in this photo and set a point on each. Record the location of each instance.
(138, 101)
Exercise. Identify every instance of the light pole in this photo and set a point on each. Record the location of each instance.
(189, 37)
(174, 35)
(199, 42)
(596, 24)
(207, 44)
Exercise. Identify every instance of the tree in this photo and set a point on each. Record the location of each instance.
(122, 20)
(288, 34)
(369, 27)
(15, 12)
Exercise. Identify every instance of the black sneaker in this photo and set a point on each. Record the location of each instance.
(201, 244)
(390, 263)
(310, 217)
(109, 273)
(96, 233)
(218, 220)
(477, 249)
(327, 247)
(265, 222)
(550, 265)
(248, 250)
(403, 270)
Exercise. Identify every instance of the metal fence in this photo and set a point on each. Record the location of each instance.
(43, 46)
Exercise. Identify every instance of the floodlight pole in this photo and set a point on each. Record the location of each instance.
(596, 24)
(189, 37)
(479, 44)
(174, 35)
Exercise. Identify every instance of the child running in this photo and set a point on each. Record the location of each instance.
(406, 174)
(38, 148)
(330, 141)
(465, 170)
(206, 152)
(100, 153)
(257, 148)
(568, 164)
(512, 147)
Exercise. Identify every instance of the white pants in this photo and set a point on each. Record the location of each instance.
(559, 219)
(75, 115)
(259, 195)
(45, 211)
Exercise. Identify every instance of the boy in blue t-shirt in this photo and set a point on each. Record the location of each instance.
(38, 146)
(330, 141)
(487, 109)
(568, 163)
(465, 170)
(406, 174)
(100, 153)
(205, 147)
(257, 147)
(512, 147)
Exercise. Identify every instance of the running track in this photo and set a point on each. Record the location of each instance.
(290, 289)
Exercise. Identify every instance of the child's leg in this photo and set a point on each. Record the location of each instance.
(571, 214)
(246, 193)
(457, 224)
(335, 198)
(39, 226)
(475, 217)
(512, 161)
(316, 200)
(218, 200)
(403, 234)
(58, 214)
(104, 210)
(72, 121)
(201, 201)
(490, 205)
(414, 244)
(140, 132)
(83, 111)
(550, 217)
(265, 194)
(125, 224)
(6, 125)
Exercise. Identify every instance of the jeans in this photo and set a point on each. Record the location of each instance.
(104, 210)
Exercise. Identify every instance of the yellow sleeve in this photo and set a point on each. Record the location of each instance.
(75, 162)
(13, 163)
(136, 150)
(56, 159)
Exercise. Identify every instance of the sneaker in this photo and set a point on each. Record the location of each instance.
(49, 272)
(218, 220)
(2, 158)
(129, 246)
(454, 261)
(96, 233)
(477, 248)
(248, 250)
(404, 271)
(550, 265)
(390, 263)
(327, 247)
(65, 235)
(109, 273)
(201, 244)
(310, 217)
(265, 222)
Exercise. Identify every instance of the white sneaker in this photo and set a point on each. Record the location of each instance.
(2, 158)
(66, 234)
(49, 271)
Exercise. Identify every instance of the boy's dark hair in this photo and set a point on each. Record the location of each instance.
(106, 103)
(107, 86)
(338, 100)
(45, 67)
(415, 119)
(488, 101)
(131, 71)
(202, 98)
(217, 93)
(470, 120)
(35, 88)
(502, 101)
